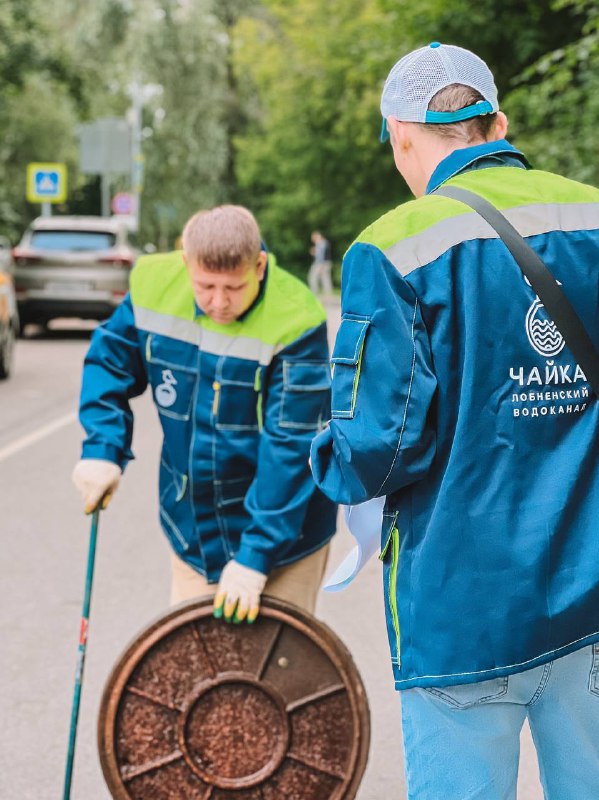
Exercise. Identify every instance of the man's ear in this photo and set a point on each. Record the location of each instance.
(261, 264)
(500, 127)
(399, 133)
(184, 257)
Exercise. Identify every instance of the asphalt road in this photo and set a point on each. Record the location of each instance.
(44, 550)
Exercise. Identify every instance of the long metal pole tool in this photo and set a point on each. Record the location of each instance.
(91, 557)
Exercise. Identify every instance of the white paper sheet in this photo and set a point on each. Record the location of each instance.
(364, 522)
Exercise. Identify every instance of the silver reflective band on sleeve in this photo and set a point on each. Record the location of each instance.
(417, 251)
(212, 342)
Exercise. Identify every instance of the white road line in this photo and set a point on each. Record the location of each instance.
(36, 436)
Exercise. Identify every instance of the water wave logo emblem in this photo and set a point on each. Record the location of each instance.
(165, 393)
(542, 332)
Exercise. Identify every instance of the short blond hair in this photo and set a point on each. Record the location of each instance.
(222, 238)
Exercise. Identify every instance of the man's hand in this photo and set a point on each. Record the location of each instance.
(97, 480)
(238, 594)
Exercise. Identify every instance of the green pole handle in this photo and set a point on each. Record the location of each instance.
(91, 556)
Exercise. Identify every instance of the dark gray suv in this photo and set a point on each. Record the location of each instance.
(72, 267)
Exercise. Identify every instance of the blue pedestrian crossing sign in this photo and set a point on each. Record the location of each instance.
(46, 183)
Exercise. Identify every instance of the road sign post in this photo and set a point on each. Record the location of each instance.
(123, 203)
(46, 184)
(105, 150)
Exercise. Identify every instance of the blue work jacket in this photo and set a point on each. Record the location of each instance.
(238, 404)
(456, 397)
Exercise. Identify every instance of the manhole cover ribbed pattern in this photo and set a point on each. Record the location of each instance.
(197, 709)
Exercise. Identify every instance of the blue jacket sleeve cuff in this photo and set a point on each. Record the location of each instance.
(106, 452)
(254, 559)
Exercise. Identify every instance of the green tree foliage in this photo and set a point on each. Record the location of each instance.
(554, 110)
(40, 126)
(185, 52)
(189, 157)
(18, 52)
(508, 34)
(54, 74)
(274, 103)
(182, 49)
(311, 73)
(78, 63)
(37, 110)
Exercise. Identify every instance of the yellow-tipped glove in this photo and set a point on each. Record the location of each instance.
(97, 480)
(238, 595)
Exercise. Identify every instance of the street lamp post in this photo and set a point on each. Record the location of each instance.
(140, 94)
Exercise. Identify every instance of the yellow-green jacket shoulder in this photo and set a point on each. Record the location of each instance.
(286, 311)
(159, 282)
(505, 187)
(290, 308)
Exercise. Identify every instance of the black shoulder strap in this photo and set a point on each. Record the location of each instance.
(542, 281)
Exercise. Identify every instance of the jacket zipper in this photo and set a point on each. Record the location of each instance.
(216, 387)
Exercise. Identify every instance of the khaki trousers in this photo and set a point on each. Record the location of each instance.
(297, 583)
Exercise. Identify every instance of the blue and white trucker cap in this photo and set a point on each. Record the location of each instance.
(418, 76)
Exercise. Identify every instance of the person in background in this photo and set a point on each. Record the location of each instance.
(457, 398)
(235, 352)
(319, 274)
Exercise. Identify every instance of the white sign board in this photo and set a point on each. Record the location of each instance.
(105, 147)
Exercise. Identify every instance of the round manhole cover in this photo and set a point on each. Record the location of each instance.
(202, 710)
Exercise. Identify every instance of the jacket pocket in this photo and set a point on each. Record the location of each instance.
(467, 695)
(346, 360)
(229, 500)
(175, 515)
(235, 399)
(172, 370)
(231, 492)
(390, 542)
(306, 394)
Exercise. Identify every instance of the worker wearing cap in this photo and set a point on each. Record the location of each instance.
(457, 398)
(235, 351)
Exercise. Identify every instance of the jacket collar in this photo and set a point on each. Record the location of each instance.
(489, 154)
(259, 296)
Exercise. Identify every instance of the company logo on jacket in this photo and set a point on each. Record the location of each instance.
(542, 332)
(165, 393)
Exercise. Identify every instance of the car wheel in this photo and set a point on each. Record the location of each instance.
(6, 353)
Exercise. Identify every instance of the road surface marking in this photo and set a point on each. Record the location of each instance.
(36, 436)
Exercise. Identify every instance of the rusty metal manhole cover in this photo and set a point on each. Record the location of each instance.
(197, 709)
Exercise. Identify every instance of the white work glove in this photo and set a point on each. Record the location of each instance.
(238, 594)
(96, 480)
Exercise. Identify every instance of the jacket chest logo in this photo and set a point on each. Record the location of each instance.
(165, 393)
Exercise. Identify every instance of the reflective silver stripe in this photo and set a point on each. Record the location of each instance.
(218, 344)
(416, 251)
(154, 322)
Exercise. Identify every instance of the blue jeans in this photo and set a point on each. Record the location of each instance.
(463, 742)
